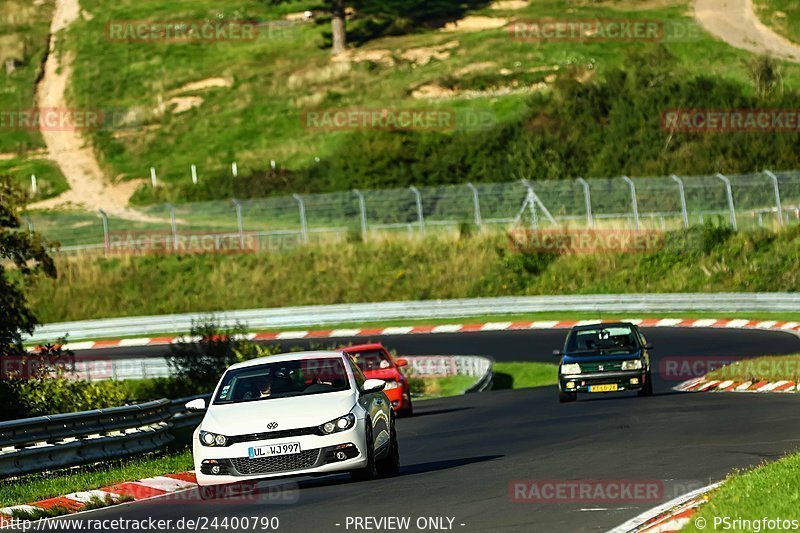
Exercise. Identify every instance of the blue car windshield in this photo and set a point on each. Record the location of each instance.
(603, 340)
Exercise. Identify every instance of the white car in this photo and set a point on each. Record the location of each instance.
(294, 414)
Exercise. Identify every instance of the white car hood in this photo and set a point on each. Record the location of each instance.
(289, 413)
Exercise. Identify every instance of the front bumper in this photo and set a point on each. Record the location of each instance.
(319, 455)
(625, 381)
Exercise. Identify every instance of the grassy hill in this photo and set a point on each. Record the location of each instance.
(209, 104)
(23, 40)
(783, 16)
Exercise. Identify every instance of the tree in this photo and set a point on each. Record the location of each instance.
(338, 30)
(27, 253)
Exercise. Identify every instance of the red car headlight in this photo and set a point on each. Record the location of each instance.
(392, 385)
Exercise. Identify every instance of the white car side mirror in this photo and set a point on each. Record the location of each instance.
(373, 385)
(196, 405)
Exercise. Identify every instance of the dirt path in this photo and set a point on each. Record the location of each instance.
(735, 22)
(88, 186)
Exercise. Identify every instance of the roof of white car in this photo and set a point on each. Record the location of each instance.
(280, 358)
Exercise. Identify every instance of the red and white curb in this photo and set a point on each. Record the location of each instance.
(708, 385)
(772, 325)
(136, 490)
(670, 516)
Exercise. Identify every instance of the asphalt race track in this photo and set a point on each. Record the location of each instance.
(460, 455)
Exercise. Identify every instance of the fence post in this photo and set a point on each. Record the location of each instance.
(634, 203)
(362, 208)
(106, 239)
(420, 214)
(174, 225)
(34, 185)
(194, 174)
(682, 190)
(239, 222)
(153, 177)
(587, 201)
(235, 169)
(731, 207)
(476, 204)
(777, 189)
(303, 223)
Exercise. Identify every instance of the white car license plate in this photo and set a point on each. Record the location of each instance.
(272, 450)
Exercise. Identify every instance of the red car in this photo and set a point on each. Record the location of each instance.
(376, 363)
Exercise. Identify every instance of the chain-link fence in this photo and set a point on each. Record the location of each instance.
(747, 201)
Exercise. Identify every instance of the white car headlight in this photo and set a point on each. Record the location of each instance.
(213, 439)
(635, 364)
(340, 424)
(570, 368)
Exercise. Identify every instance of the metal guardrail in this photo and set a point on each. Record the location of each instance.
(57, 441)
(420, 310)
(454, 365)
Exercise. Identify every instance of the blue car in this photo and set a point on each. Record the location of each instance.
(601, 358)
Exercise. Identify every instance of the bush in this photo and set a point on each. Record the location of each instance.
(202, 363)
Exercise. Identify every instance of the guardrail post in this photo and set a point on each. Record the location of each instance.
(731, 207)
(239, 223)
(303, 222)
(362, 208)
(174, 226)
(476, 204)
(420, 213)
(634, 203)
(153, 177)
(682, 190)
(587, 201)
(106, 239)
(777, 189)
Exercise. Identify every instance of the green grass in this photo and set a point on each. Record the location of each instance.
(767, 491)
(23, 37)
(49, 179)
(40, 487)
(258, 119)
(770, 368)
(419, 270)
(783, 16)
(429, 388)
(524, 375)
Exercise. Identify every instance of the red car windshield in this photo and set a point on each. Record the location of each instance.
(372, 360)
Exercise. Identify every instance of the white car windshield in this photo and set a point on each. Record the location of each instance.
(282, 380)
